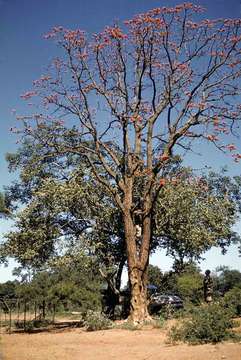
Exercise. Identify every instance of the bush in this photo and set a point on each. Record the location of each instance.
(207, 324)
(232, 300)
(95, 320)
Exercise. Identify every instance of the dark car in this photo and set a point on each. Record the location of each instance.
(160, 301)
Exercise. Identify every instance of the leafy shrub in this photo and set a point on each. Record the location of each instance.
(95, 320)
(206, 324)
(232, 300)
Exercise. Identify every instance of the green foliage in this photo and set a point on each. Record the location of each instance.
(155, 276)
(8, 289)
(2, 203)
(69, 284)
(196, 214)
(190, 288)
(185, 281)
(4, 211)
(232, 300)
(169, 283)
(76, 283)
(95, 320)
(227, 279)
(206, 324)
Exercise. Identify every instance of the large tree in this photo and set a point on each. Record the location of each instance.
(128, 98)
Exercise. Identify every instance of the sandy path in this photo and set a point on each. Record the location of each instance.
(107, 345)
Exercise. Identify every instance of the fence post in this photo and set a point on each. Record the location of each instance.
(1, 319)
(24, 315)
(10, 319)
(44, 304)
(35, 310)
(54, 309)
(18, 309)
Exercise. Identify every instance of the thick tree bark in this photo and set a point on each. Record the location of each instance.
(137, 257)
(138, 304)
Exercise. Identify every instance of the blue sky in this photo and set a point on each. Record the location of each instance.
(25, 54)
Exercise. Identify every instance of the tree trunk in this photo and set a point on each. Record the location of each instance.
(137, 257)
(138, 302)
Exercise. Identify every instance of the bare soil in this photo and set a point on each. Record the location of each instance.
(77, 344)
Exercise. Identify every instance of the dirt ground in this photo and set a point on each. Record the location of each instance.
(77, 344)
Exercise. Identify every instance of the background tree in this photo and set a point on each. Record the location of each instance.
(190, 286)
(155, 276)
(197, 212)
(227, 279)
(68, 284)
(127, 100)
(8, 289)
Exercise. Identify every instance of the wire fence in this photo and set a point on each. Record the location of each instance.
(19, 314)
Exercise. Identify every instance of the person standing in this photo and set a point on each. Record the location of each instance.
(208, 287)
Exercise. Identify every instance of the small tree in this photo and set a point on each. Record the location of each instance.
(227, 279)
(189, 287)
(155, 276)
(126, 99)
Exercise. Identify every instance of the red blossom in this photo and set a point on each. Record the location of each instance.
(115, 33)
(136, 118)
(236, 157)
(164, 157)
(50, 99)
(231, 147)
(28, 95)
(212, 137)
(162, 182)
(235, 39)
(41, 80)
(189, 133)
(54, 32)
